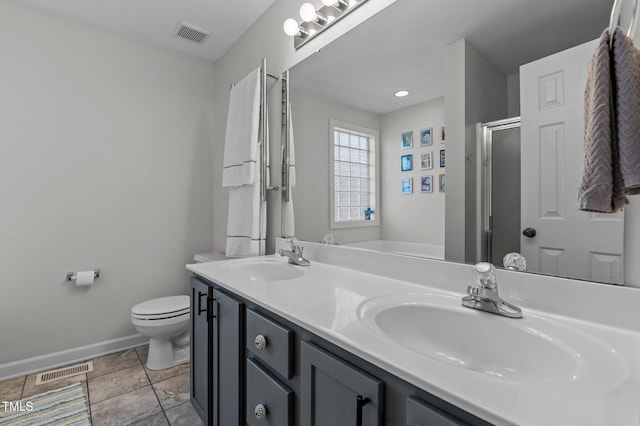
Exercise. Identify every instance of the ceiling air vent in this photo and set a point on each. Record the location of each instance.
(191, 32)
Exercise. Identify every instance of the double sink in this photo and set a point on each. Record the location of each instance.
(433, 324)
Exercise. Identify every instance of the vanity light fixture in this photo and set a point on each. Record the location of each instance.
(401, 93)
(314, 21)
(338, 4)
(308, 13)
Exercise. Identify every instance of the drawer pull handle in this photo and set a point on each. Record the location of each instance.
(360, 402)
(260, 411)
(200, 310)
(260, 342)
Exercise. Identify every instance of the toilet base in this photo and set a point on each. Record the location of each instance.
(163, 354)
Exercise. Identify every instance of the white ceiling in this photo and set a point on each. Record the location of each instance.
(402, 46)
(156, 20)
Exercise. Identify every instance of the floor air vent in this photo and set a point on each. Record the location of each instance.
(63, 373)
(191, 33)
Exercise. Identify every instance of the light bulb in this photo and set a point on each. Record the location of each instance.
(308, 12)
(290, 27)
(329, 2)
(401, 93)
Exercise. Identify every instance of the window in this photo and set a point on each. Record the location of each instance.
(353, 176)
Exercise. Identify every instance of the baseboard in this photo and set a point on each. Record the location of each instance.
(39, 363)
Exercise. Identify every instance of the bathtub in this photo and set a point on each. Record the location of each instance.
(400, 247)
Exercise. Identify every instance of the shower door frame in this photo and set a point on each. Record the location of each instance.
(485, 138)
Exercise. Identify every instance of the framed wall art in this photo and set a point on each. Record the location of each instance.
(407, 185)
(441, 182)
(406, 163)
(426, 161)
(442, 158)
(407, 140)
(426, 137)
(426, 183)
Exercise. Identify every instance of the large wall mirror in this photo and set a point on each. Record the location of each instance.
(404, 47)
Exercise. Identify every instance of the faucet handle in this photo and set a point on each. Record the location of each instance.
(485, 275)
(473, 290)
(292, 243)
(515, 262)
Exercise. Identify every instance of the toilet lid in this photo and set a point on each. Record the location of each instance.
(163, 305)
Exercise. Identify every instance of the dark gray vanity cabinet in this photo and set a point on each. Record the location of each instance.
(200, 349)
(334, 392)
(420, 413)
(217, 354)
(250, 366)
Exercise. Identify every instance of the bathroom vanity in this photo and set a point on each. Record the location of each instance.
(371, 339)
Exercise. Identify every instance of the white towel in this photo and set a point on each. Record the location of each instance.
(288, 222)
(246, 221)
(241, 139)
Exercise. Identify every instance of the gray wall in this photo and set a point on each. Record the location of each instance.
(105, 162)
(475, 92)
(513, 95)
(417, 217)
(311, 116)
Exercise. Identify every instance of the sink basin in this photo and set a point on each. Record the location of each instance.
(532, 349)
(263, 269)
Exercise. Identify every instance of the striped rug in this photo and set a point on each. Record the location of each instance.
(64, 406)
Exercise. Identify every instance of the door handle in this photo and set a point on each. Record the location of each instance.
(360, 402)
(529, 232)
(200, 310)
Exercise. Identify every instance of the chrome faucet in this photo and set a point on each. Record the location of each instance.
(484, 296)
(294, 253)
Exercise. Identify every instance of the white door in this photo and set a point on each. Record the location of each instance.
(567, 242)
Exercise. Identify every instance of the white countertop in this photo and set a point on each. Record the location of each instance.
(328, 300)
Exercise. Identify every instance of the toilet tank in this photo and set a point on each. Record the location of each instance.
(210, 257)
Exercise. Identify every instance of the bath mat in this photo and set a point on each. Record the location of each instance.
(65, 406)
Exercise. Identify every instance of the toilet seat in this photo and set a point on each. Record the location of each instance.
(162, 308)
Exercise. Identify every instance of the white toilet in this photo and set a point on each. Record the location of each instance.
(166, 322)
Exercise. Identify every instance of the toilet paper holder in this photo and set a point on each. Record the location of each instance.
(71, 276)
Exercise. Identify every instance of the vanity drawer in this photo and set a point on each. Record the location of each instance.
(421, 413)
(270, 342)
(268, 401)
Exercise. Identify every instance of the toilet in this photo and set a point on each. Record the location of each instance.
(165, 321)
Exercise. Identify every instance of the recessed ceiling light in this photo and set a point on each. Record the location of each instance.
(401, 93)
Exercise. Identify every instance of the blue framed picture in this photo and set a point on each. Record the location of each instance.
(426, 137)
(406, 162)
(407, 140)
(442, 158)
(407, 185)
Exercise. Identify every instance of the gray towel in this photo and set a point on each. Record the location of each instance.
(626, 71)
(601, 189)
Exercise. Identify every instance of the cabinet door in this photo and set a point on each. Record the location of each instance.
(334, 392)
(228, 359)
(420, 413)
(200, 349)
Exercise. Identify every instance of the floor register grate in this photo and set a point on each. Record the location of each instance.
(63, 373)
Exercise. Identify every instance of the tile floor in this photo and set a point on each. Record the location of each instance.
(122, 391)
